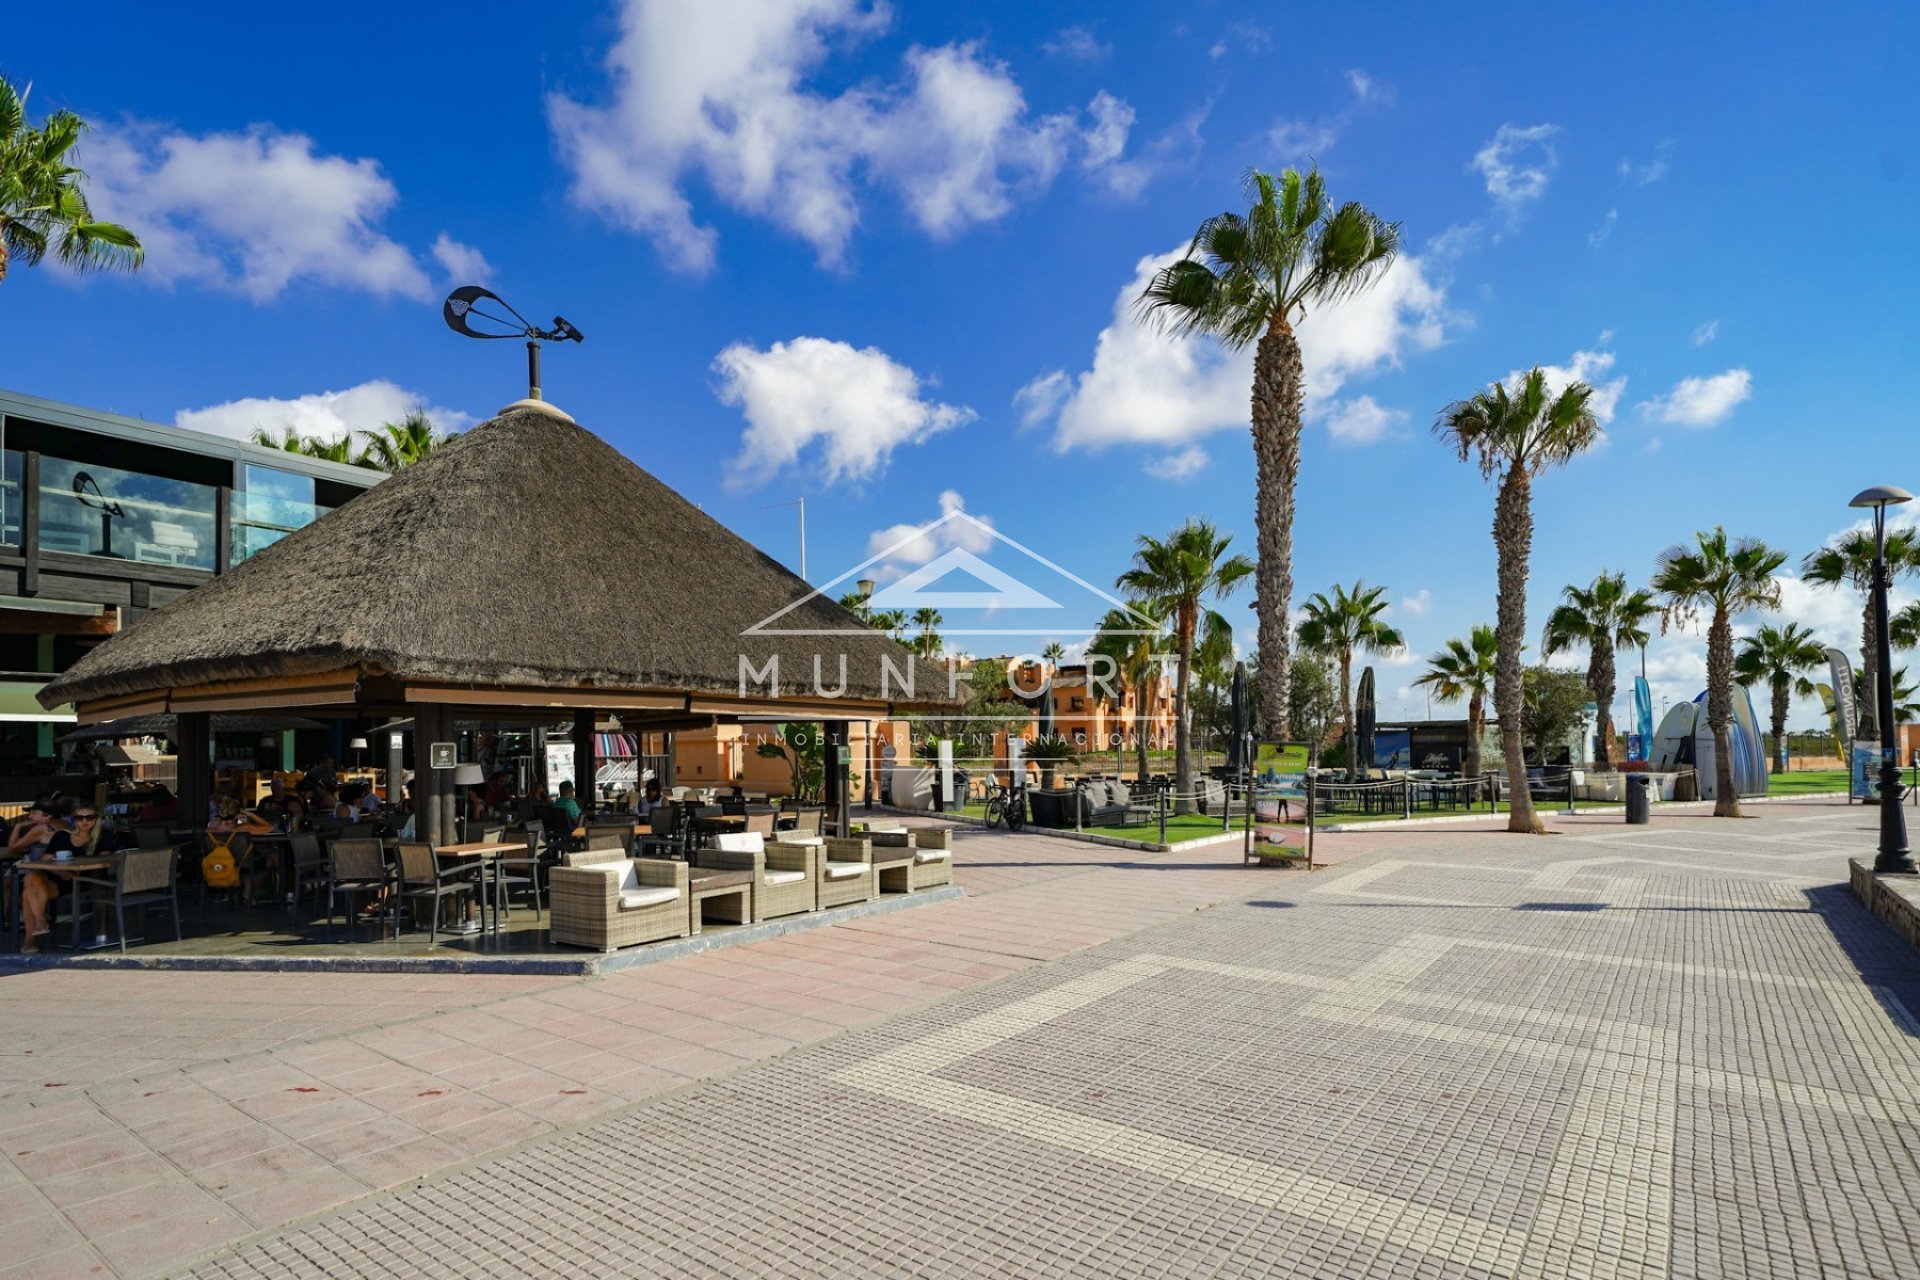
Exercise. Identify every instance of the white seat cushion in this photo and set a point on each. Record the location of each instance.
(739, 842)
(801, 842)
(844, 870)
(785, 877)
(932, 855)
(634, 899)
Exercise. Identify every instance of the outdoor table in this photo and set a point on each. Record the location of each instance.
(719, 824)
(64, 868)
(479, 852)
(705, 886)
(893, 862)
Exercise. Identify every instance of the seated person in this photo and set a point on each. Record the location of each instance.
(280, 805)
(229, 816)
(36, 826)
(38, 889)
(499, 792)
(161, 807)
(322, 774)
(650, 799)
(567, 804)
(541, 795)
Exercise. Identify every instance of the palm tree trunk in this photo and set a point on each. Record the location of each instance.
(1865, 684)
(1600, 678)
(1781, 693)
(1276, 456)
(1182, 732)
(1476, 729)
(3, 259)
(1513, 540)
(1349, 731)
(1140, 728)
(1726, 804)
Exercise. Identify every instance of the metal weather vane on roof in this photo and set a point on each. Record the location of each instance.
(463, 308)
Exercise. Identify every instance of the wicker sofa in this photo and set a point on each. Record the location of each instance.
(847, 872)
(932, 863)
(786, 877)
(615, 901)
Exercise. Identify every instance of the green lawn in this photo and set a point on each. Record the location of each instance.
(1807, 782)
(1188, 826)
(1548, 809)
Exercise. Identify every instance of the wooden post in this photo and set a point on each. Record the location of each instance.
(30, 523)
(586, 789)
(192, 734)
(834, 779)
(222, 528)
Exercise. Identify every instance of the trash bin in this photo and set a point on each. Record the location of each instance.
(1637, 808)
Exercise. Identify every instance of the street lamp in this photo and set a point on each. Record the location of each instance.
(866, 588)
(1894, 858)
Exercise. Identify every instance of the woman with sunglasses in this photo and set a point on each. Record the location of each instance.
(41, 887)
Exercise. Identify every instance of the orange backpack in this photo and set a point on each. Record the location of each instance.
(220, 869)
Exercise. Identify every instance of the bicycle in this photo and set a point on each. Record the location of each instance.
(1006, 806)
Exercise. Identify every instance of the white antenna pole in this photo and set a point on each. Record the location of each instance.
(802, 504)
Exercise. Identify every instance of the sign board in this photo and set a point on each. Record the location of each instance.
(396, 742)
(1863, 771)
(843, 755)
(442, 755)
(1279, 791)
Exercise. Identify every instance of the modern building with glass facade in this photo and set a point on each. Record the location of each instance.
(104, 518)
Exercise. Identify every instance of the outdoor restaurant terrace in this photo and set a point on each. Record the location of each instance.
(524, 574)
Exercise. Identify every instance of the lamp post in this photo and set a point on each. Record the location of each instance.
(866, 588)
(1894, 858)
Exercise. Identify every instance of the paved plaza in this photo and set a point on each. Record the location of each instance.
(1678, 1050)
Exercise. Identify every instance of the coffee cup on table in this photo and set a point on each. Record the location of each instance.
(62, 855)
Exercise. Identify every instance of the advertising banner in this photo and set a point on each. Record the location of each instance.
(1642, 719)
(1279, 793)
(1846, 707)
(1863, 771)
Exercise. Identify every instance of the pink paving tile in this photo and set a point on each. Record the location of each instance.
(20, 1202)
(479, 1137)
(288, 1162)
(79, 1260)
(172, 1226)
(339, 1145)
(570, 1105)
(324, 1117)
(402, 1162)
(77, 1156)
(219, 1148)
(276, 1203)
(101, 1181)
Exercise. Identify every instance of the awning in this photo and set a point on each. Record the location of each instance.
(19, 702)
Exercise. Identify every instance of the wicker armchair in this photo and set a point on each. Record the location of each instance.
(847, 874)
(620, 902)
(785, 876)
(932, 863)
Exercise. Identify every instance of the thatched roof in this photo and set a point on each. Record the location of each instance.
(525, 553)
(162, 726)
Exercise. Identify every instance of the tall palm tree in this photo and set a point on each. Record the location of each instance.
(1903, 628)
(891, 621)
(1246, 279)
(1906, 698)
(1777, 656)
(1723, 579)
(1848, 562)
(927, 643)
(1517, 435)
(1464, 669)
(1054, 652)
(1337, 627)
(1604, 617)
(43, 205)
(287, 440)
(1213, 669)
(1172, 576)
(393, 446)
(1127, 639)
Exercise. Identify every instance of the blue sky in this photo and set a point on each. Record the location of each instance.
(879, 258)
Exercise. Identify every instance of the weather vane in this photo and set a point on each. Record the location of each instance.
(463, 307)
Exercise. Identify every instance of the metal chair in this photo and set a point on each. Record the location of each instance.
(422, 877)
(142, 877)
(507, 873)
(310, 868)
(355, 867)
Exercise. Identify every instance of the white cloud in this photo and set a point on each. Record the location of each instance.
(1517, 164)
(463, 263)
(1149, 387)
(325, 415)
(1245, 36)
(858, 405)
(1588, 367)
(1362, 421)
(719, 91)
(1702, 402)
(1419, 604)
(1600, 234)
(1705, 333)
(907, 545)
(1299, 141)
(1180, 466)
(1077, 44)
(1041, 398)
(253, 212)
(1647, 173)
(1366, 88)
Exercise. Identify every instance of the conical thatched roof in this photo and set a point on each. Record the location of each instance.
(526, 552)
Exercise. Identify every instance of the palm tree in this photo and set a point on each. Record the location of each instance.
(1464, 669)
(289, 440)
(1170, 577)
(927, 643)
(1246, 280)
(42, 204)
(1517, 436)
(393, 446)
(1906, 698)
(1604, 617)
(1335, 628)
(1777, 655)
(1054, 652)
(1848, 562)
(1213, 668)
(1904, 627)
(1723, 579)
(1127, 639)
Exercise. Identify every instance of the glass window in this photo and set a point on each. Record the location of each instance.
(97, 510)
(273, 505)
(10, 473)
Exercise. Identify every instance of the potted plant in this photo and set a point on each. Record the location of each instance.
(1050, 752)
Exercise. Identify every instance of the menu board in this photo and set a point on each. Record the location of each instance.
(1279, 797)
